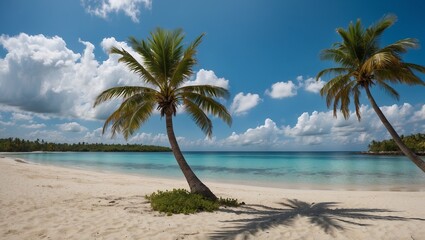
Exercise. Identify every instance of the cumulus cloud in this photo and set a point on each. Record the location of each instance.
(311, 85)
(151, 139)
(208, 77)
(266, 135)
(420, 114)
(309, 125)
(72, 127)
(21, 117)
(242, 103)
(320, 129)
(50, 136)
(281, 90)
(102, 8)
(287, 89)
(398, 115)
(49, 78)
(326, 129)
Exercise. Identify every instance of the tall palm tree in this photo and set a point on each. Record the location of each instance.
(363, 63)
(165, 69)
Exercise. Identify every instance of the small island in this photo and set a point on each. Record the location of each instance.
(416, 142)
(22, 145)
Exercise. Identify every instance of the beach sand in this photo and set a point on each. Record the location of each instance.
(48, 202)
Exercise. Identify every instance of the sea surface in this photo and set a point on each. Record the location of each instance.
(307, 170)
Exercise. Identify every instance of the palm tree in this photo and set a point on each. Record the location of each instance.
(165, 69)
(363, 63)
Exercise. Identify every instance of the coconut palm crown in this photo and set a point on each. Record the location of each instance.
(362, 64)
(164, 72)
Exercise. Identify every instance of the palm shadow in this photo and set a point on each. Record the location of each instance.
(325, 215)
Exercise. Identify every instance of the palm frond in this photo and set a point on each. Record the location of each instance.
(200, 118)
(415, 67)
(388, 89)
(380, 60)
(134, 65)
(383, 24)
(362, 62)
(209, 105)
(356, 95)
(166, 66)
(336, 71)
(183, 69)
(207, 90)
(138, 116)
(401, 46)
(122, 92)
(132, 112)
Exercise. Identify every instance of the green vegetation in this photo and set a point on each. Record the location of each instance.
(182, 201)
(21, 145)
(416, 142)
(164, 73)
(363, 63)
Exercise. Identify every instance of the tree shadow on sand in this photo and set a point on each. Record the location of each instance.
(325, 215)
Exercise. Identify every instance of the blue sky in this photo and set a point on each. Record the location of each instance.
(54, 61)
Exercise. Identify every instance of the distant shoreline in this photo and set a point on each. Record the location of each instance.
(389, 153)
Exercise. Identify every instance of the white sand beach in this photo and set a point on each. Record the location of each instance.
(48, 202)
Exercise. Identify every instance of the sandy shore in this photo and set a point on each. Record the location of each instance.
(47, 202)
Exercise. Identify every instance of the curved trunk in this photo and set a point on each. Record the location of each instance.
(196, 186)
(409, 153)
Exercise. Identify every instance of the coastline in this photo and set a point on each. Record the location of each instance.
(389, 153)
(44, 201)
(177, 176)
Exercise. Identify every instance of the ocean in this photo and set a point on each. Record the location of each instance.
(306, 170)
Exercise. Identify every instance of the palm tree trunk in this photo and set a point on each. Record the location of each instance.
(196, 186)
(409, 153)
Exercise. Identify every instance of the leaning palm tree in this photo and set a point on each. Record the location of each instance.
(164, 72)
(363, 63)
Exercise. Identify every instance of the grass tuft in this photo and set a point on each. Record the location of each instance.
(182, 201)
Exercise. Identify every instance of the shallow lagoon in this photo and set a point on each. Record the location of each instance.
(310, 170)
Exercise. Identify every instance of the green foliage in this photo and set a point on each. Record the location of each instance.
(21, 145)
(361, 62)
(416, 142)
(229, 202)
(167, 66)
(182, 201)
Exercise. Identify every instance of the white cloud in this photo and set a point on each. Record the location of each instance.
(309, 125)
(21, 117)
(243, 103)
(34, 126)
(49, 136)
(266, 135)
(72, 127)
(102, 8)
(420, 114)
(151, 139)
(321, 131)
(50, 79)
(311, 85)
(322, 128)
(208, 77)
(281, 90)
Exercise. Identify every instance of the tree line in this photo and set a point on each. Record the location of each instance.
(416, 142)
(22, 145)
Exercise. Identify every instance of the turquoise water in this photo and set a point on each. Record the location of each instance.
(312, 170)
